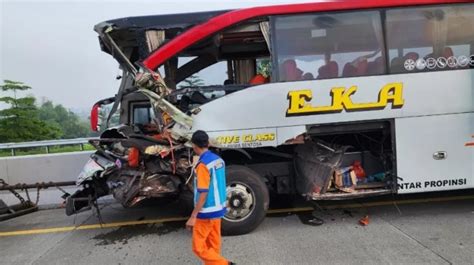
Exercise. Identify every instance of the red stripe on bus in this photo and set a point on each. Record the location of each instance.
(230, 18)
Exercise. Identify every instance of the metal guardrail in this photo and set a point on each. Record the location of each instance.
(47, 144)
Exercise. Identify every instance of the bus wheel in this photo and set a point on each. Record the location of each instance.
(248, 200)
(186, 202)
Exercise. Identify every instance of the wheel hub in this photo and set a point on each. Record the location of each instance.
(240, 202)
(236, 202)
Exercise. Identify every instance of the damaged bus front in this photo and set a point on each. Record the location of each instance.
(318, 99)
(143, 151)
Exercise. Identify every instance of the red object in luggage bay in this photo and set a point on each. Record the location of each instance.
(358, 170)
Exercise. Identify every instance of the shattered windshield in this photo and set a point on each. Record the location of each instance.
(216, 74)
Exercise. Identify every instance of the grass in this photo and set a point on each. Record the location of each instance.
(42, 150)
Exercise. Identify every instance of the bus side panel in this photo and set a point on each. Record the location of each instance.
(268, 105)
(418, 139)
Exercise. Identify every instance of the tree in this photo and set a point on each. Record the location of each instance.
(69, 123)
(193, 80)
(20, 122)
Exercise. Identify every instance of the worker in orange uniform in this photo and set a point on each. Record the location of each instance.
(209, 202)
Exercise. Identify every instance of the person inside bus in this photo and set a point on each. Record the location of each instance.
(330, 69)
(289, 71)
(357, 67)
(308, 76)
(361, 65)
(376, 66)
(259, 79)
(184, 103)
(228, 82)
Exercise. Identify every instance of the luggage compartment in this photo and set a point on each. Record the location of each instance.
(342, 161)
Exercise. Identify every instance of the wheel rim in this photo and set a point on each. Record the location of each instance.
(241, 202)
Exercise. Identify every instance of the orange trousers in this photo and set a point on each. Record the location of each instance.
(207, 241)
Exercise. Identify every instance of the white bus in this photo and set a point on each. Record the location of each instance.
(331, 100)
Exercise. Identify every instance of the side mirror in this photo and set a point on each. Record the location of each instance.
(95, 117)
(100, 112)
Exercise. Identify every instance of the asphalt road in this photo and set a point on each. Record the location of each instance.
(439, 232)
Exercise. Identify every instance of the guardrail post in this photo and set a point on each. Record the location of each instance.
(47, 149)
(13, 151)
(81, 146)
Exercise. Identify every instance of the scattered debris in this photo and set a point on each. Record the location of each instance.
(310, 219)
(364, 221)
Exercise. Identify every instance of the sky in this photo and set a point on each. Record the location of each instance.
(51, 45)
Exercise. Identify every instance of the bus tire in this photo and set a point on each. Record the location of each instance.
(186, 202)
(248, 201)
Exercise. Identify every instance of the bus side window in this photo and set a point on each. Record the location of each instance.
(322, 46)
(430, 38)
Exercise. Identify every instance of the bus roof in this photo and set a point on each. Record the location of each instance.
(224, 20)
(181, 20)
(126, 31)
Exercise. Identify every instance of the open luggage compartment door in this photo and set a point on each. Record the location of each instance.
(315, 164)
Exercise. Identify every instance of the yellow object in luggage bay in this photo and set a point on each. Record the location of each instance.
(341, 100)
(339, 182)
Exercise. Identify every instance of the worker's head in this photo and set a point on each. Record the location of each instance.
(200, 141)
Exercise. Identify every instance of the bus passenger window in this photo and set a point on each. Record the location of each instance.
(430, 38)
(322, 46)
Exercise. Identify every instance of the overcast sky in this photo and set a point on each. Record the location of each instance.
(51, 46)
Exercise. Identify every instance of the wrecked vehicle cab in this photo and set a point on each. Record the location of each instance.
(297, 99)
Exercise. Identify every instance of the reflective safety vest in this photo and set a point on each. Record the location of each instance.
(214, 207)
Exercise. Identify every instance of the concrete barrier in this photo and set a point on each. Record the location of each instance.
(42, 168)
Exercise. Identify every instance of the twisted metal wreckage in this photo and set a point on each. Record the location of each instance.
(177, 133)
(27, 205)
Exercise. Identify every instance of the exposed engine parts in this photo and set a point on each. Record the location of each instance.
(133, 167)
